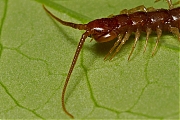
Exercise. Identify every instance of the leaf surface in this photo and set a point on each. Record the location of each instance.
(36, 53)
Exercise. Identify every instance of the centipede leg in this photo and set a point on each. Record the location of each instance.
(148, 31)
(125, 11)
(170, 4)
(157, 0)
(110, 16)
(137, 35)
(126, 37)
(150, 9)
(120, 36)
(159, 33)
(178, 2)
(175, 31)
(141, 8)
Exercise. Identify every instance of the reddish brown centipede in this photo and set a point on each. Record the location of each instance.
(136, 20)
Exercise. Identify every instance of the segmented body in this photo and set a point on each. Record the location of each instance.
(136, 20)
(159, 19)
(123, 25)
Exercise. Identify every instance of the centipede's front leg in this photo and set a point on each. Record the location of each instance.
(126, 37)
(120, 36)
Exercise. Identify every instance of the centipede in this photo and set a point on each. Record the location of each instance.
(120, 27)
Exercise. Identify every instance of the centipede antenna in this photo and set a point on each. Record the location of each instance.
(79, 47)
(73, 25)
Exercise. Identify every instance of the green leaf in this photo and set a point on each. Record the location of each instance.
(36, 53)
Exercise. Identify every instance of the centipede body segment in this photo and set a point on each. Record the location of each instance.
(136, 20)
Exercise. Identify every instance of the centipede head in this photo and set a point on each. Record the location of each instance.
(101, 30)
